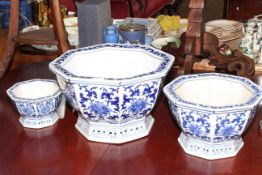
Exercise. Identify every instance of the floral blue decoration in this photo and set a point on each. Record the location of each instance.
(117, 104)
(39, 107)
(226, 126)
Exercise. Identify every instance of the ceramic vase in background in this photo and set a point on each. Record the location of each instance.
(111, 34)
(251, 44)
(132, 33)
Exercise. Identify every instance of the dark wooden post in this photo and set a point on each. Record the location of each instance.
(194, 34)
(12, 34)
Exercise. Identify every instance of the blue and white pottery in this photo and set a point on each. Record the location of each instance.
(113, 87)
(39, 102)
(111, 34)
(212, 110)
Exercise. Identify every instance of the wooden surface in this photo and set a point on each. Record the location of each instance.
(61, 149)
(242, 10)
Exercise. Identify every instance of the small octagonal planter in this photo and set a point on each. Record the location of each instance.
(39, 102)
(113, 87)
(212, 110)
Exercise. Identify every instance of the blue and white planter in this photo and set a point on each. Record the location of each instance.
(39, 102)
(113, 87)
(212, 110)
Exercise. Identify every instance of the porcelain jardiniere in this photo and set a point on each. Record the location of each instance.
(39, 102)
(213, 110)
(113, 87)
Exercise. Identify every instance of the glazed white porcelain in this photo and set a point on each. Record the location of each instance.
(113, 87)
(212, 110)
(39, 102)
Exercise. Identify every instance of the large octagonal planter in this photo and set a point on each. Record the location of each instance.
(113, 87)
(212, 110)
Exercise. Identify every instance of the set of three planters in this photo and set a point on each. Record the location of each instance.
(127, 33)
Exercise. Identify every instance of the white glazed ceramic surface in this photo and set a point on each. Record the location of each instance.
(123, 63)
(213, 110)
(114, 87)
(39, 101)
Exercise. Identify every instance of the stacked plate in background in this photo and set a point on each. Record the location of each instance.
(227, 31)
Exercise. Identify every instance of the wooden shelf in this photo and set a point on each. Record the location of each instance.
(41, 36)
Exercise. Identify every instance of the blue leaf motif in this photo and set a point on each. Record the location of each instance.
(83, 99)
(89, 92)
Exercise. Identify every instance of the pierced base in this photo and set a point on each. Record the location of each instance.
(210, 151)
(114, 133)
(38, 123)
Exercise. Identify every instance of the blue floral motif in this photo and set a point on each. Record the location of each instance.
(195, 128)
(228, 131)
(230, 125)
(99, 109)
(137, 106)
(26, 108)
(99, 102)
(139, 99)
(41, 108)
(226, 126)
(45, 108)
(118, 104)
(196, 124)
